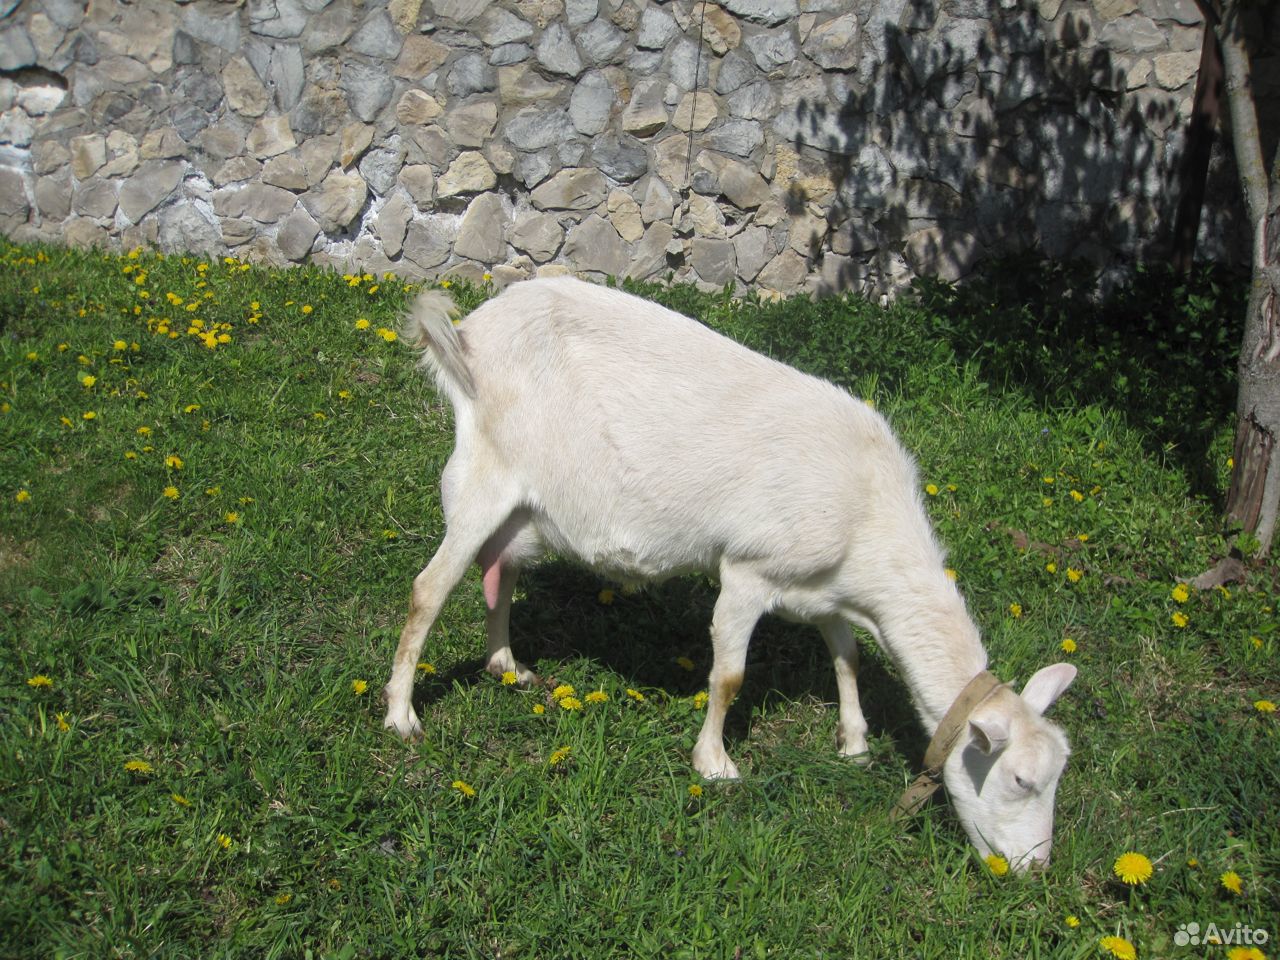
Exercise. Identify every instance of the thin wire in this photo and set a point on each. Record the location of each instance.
(697, 74)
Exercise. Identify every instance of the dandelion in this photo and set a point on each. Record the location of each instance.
(23, 496)
(89, 415)
(931, 489)
(387, 335)
(61, 720)
(282, 899)
(539, 709)
(362, 324)
(1264, 706)
(1051, 567)
(950, 574)
(39, 680)
(1180, 593)
(191, 408)
(334, 884)
(358, 687)
(307, 309)
(130, 455)
(559, 755)
(1068, 645)
(1072, 921)
(572, 704)
(171, 493)
(88, 380)
(138, 766)
(509, 678)
(605, 596)
(597, 696)
(224, 841)
(684, 663)
(635, 695)
(1192, 862)
(143, 431)
(1245, 953)
(1132, 868)
(119, 346)
(427, 668)
(1232, 883)
(231, 517)
(1077, 496)
(389, 534)
(33, 356)
(1179, 619)
(1118, 947)
(695, 791)
(1015, 610)
(1074, 575)
(179, 799)
(464, 788)
(174, 462)
(700, 699)
(562, 691)
(997, 864)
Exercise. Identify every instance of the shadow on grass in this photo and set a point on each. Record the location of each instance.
(642, 639)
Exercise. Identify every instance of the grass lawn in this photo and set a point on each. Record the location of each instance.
(217, 481)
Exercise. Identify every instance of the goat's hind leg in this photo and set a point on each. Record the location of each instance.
(478, 512)
(851, 734)
(499, 560)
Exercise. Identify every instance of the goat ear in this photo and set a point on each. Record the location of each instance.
(1047, 685)
(990, 732)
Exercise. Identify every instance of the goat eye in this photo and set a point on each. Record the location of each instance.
(1022, 784)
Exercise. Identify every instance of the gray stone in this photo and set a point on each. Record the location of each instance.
(499, 26)
(377, 37)
(537, 129)
(755, 101)
(624, 214)
(735, 70)
(282, 19)
(714, 260)
(417, 107)
(460, 11)
(556, 52)
(539, 235)
(684, 65)
(763, 11)
(381, 166)
(740, 183)
(646, 113)
(238, 170)
(162, 144)
(508, 54)
(594, 246)
(419, 57)
(220, 31)
(296, 234)
(772, 50)
(83, 233)
(245, 93)
(153, 183)
(521, 84)
(368, 89)
(337, 202)
(786, 271)
(189, 227)
(471, 74)
(427, 243)
(188, 120)
(480, 234)
(753, 248)
(469, 173)
(52, 195)
(255, 201)
(94, 198)
(88, 154)
(650, 258)
(656, 201)
(270, 137)
(575, 189)
(834, 44)
(532, 168)
(942, 253)
(392, 222)
(579, 12)
(591, 104)
(601, 41)
(657, 29)
(420, 181)
(329, 29)
(739, 137)
(620, 158)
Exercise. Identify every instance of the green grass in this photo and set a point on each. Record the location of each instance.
(275, 818)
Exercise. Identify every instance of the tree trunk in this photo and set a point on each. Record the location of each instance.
(1253, 499)
(1194, 170)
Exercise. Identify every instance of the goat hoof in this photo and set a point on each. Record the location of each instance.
(405, 724)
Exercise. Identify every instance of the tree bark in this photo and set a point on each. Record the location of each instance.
(1253, 500)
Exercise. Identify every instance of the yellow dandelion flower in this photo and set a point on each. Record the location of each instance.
(1015, 610)
(1232, 882)
(39, 680)
(224, 841)
(88, 380)
(33, 356)
(171, 493)
(143, 431)
(997, 864)
(931, 489)
(1082, 537)
(174, 462)
(1118, 947)
(191, 408)
(1179, 619)
(362, 324)
(23, 496)
(700, 699)
(89, 415)
(427, 668)
(509, 678)
(464, 788)
(282, 899)
(1264, 706)
(635, 695)
(539, 709)
(1074, 575)
(358, 687)
(1072, 921)
(1051, 567)
(558, 756)
(1132, 868)
(1245, 953)
(231, 517)
(571, 704)
(130, 455)
(695, 791)
(1077, 496)
(387, 335)
(1192, 862)
(119, 346)
(1068, 645)
(950, 574)
(562, 691)
(1180, 593)
(1048, 479)
(61, 720)
(597, 696)
(307, 309)
(605, 596)
(334, 884)
(138, 766)
(179, 799)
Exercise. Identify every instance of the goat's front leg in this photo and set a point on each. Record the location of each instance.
(738, 607)
(851, 734)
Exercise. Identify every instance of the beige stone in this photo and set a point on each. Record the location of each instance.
(417, 106)
(420, 56)
(245, 93)
(624, 214)
(404, 14)
(469, 173)
(270, 137)
(88, 154)
(697, 111)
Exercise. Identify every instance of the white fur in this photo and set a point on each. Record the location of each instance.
(642, 444)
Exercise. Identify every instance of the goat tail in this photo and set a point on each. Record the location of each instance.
(428, 326)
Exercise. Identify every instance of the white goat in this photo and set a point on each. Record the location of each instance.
(643, 445)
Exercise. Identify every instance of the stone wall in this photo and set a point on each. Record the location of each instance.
(785, 144)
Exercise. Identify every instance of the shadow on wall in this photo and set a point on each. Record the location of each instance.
(985, 137)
